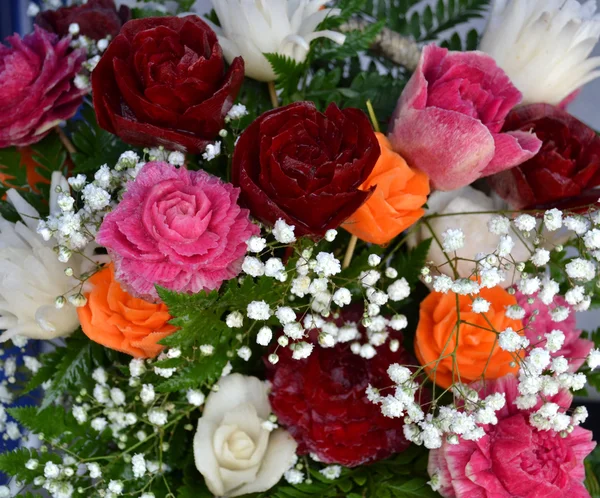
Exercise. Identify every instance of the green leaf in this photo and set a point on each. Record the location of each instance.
(53, 422)
(13, 463)
(74, 366)
(288, 71)
(409, 264)
(95, 146)
(356, 41)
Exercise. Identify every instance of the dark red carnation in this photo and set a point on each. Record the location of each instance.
(163, 81)
(564, 171)
(97, 19)
(305, 167)
(321, 400)
(36, 86)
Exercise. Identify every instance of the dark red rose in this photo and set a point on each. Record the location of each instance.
(304, 166)
(162, 81)
(37, 89)
(321, 400)
(565, 169)
(97, 19)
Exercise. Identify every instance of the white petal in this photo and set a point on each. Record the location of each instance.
(235, 390)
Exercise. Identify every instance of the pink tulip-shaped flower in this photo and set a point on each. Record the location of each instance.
(180, 229)
(514, 459)
(37, 89)
(448, 120)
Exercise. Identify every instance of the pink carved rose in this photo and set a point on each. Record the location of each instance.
(513, 459)
(179, 229)
(448, 119)
(575, 348)
(36, 86)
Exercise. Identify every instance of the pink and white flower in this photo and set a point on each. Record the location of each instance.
(513, 459)
(449, 119)
(37, 89)
(179, 229)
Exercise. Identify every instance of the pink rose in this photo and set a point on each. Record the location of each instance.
(179, 229)
(448, 119)
(575, 348)
(36, 86)
(513, 459)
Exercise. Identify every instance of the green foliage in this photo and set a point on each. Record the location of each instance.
(72, 366)
(53, 422)
(409, 264)
(94, 145)
(425, 22)
(13, 463)
(288, 71)
(403, 476)
(201, 320)
(356, 41)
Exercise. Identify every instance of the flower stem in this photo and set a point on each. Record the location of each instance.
(273, 95)
(65, 141)
(349, 252)
(373, 116)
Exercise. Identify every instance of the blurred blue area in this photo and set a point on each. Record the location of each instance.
(13, 17)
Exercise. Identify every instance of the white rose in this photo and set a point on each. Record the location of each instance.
(233, 451)
(478, 239)
(544, 46)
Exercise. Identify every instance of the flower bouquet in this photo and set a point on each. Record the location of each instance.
(295, 248)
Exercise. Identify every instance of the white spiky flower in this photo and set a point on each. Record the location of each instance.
(544, 45)
(31, 277)
(251, 28)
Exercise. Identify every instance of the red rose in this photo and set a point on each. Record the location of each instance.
(162, 81)
(321, 400)
(304, 166)
(565, 169)
(36, 86)
(97, 19)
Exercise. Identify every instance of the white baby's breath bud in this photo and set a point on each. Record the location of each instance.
(115, 487)
(147, 394)
(391, 272)
(94, 470)
(207, 349)
(283, 341)
(499, 225)
(331, 472)
(195, 397)
(74, 29)
(525, 222)
(398, 322)
(258, 310)
(581, 270)
(399, 290)
(505, 246)
(330, 235)
(32, 9)
(283, 232)
(559, 314)
(234, 320)
(244, 353)
(342, 297)
(577, 224)
(264, 336)
(253, 266)
(398, 373)
(293, 330)
(256, 244)
(529, 286)
(273, 359)
(369, 278)
(593, 359)
(555, 340)
(236, 112)
(540, 257)
(301, 350)
(374, 260)
(480, 305)
(453, 239)
(553, 219)
(157, 416)
(511, 341)
(212, 151)
(442, 283)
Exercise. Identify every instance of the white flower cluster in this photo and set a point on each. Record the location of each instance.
(450, 423)
(313, 275)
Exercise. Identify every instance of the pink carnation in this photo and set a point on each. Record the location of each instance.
(180, 229)
(575, 349)
(449, 117)
(36, 86)
(513, 459)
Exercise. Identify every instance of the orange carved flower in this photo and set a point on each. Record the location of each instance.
(117, 320)
(472, 352)
(397, 201)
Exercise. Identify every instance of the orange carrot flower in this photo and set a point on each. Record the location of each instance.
(117, 320)
(474, 347)
(29, 163)
(397, 201)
